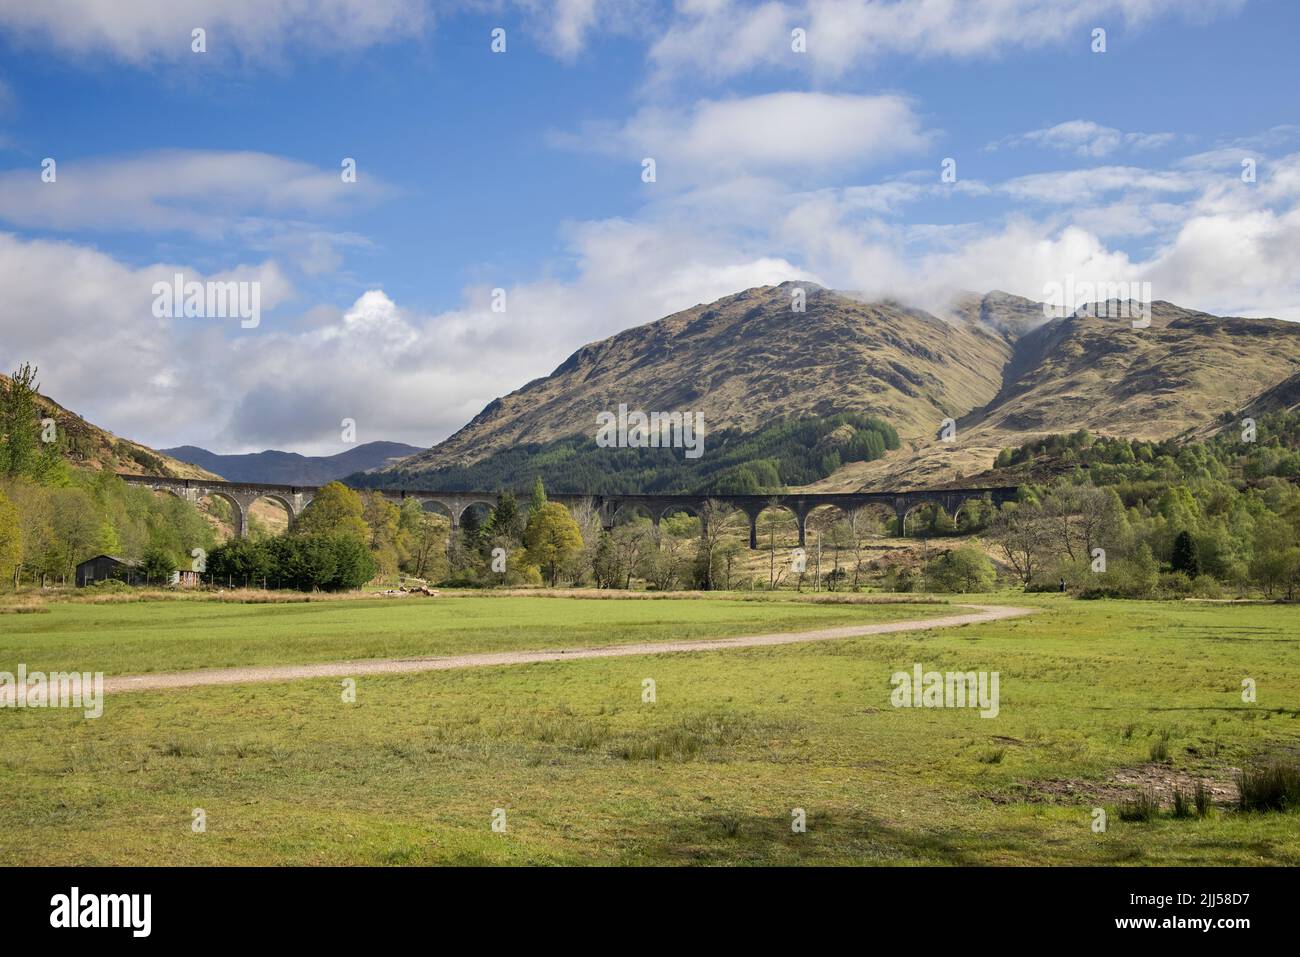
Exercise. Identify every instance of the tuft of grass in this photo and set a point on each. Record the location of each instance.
(1271, 786)
(1201, 797)
(1160, 748)
(689, 738)
(1141, 807)
(991, 755)
(1182, 806)
(730, 825)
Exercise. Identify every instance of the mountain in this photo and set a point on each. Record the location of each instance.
(1184, 375)
(994, 363)
(748, 360)
(290, 468)
(89, 446)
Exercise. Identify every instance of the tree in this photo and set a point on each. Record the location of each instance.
(776, 515)
(630, 542)
(242, 561)
(1184, 557)
(31, 503)
(1275, 543)
(581, 567)
(712, 563)
(20, 445)
(665, 566)
(552, 538)
(1020, 533)
(470, 535)
(1076, 518)
(159, 564)
(387, 542)
(78, 528)
(538, 498)
(965, 569)
(505, 523)
(354, 565)
(859, 523)
(427, 541)
(336, 509)
(11, 542)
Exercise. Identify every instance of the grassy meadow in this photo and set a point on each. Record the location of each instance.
(144, 636)
(1100, 702)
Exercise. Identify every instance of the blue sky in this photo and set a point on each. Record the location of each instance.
(521, 171)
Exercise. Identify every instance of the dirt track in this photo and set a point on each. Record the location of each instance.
(353, 669)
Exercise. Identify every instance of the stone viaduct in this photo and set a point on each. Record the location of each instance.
(294, 498)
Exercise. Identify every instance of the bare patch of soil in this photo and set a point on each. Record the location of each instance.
(1126, 783)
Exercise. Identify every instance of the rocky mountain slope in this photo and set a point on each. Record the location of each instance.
(748, 360)
(89, 446)
(993, 363)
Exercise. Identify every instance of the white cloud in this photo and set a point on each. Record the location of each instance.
(145, 31)
(725, 38)
(774, 132)
(86, 319)
(573, 20)
(1213, 243)
(202, 192)
(1086, 138)
(1081, 186)
(402, 375)
(148, 32)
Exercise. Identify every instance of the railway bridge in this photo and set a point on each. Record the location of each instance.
(294, 498)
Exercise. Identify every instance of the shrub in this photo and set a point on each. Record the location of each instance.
(1043, 583)
(965, 569)
(1207, 586)
(109, 586)
(1174, 585)
(1135, 576)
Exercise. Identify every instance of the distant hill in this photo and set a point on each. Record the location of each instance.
(290, 468)
(994, 363)
(89, 446)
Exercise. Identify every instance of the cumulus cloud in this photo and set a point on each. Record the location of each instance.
(771, 133)
(87, 320)
(1223, 246)
(401, 374)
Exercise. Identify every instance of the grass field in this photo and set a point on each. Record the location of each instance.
(585, 772)
(135, 637)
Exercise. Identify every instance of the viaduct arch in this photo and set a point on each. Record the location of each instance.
(295, 498)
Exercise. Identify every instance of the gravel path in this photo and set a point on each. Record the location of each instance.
(353, 669)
